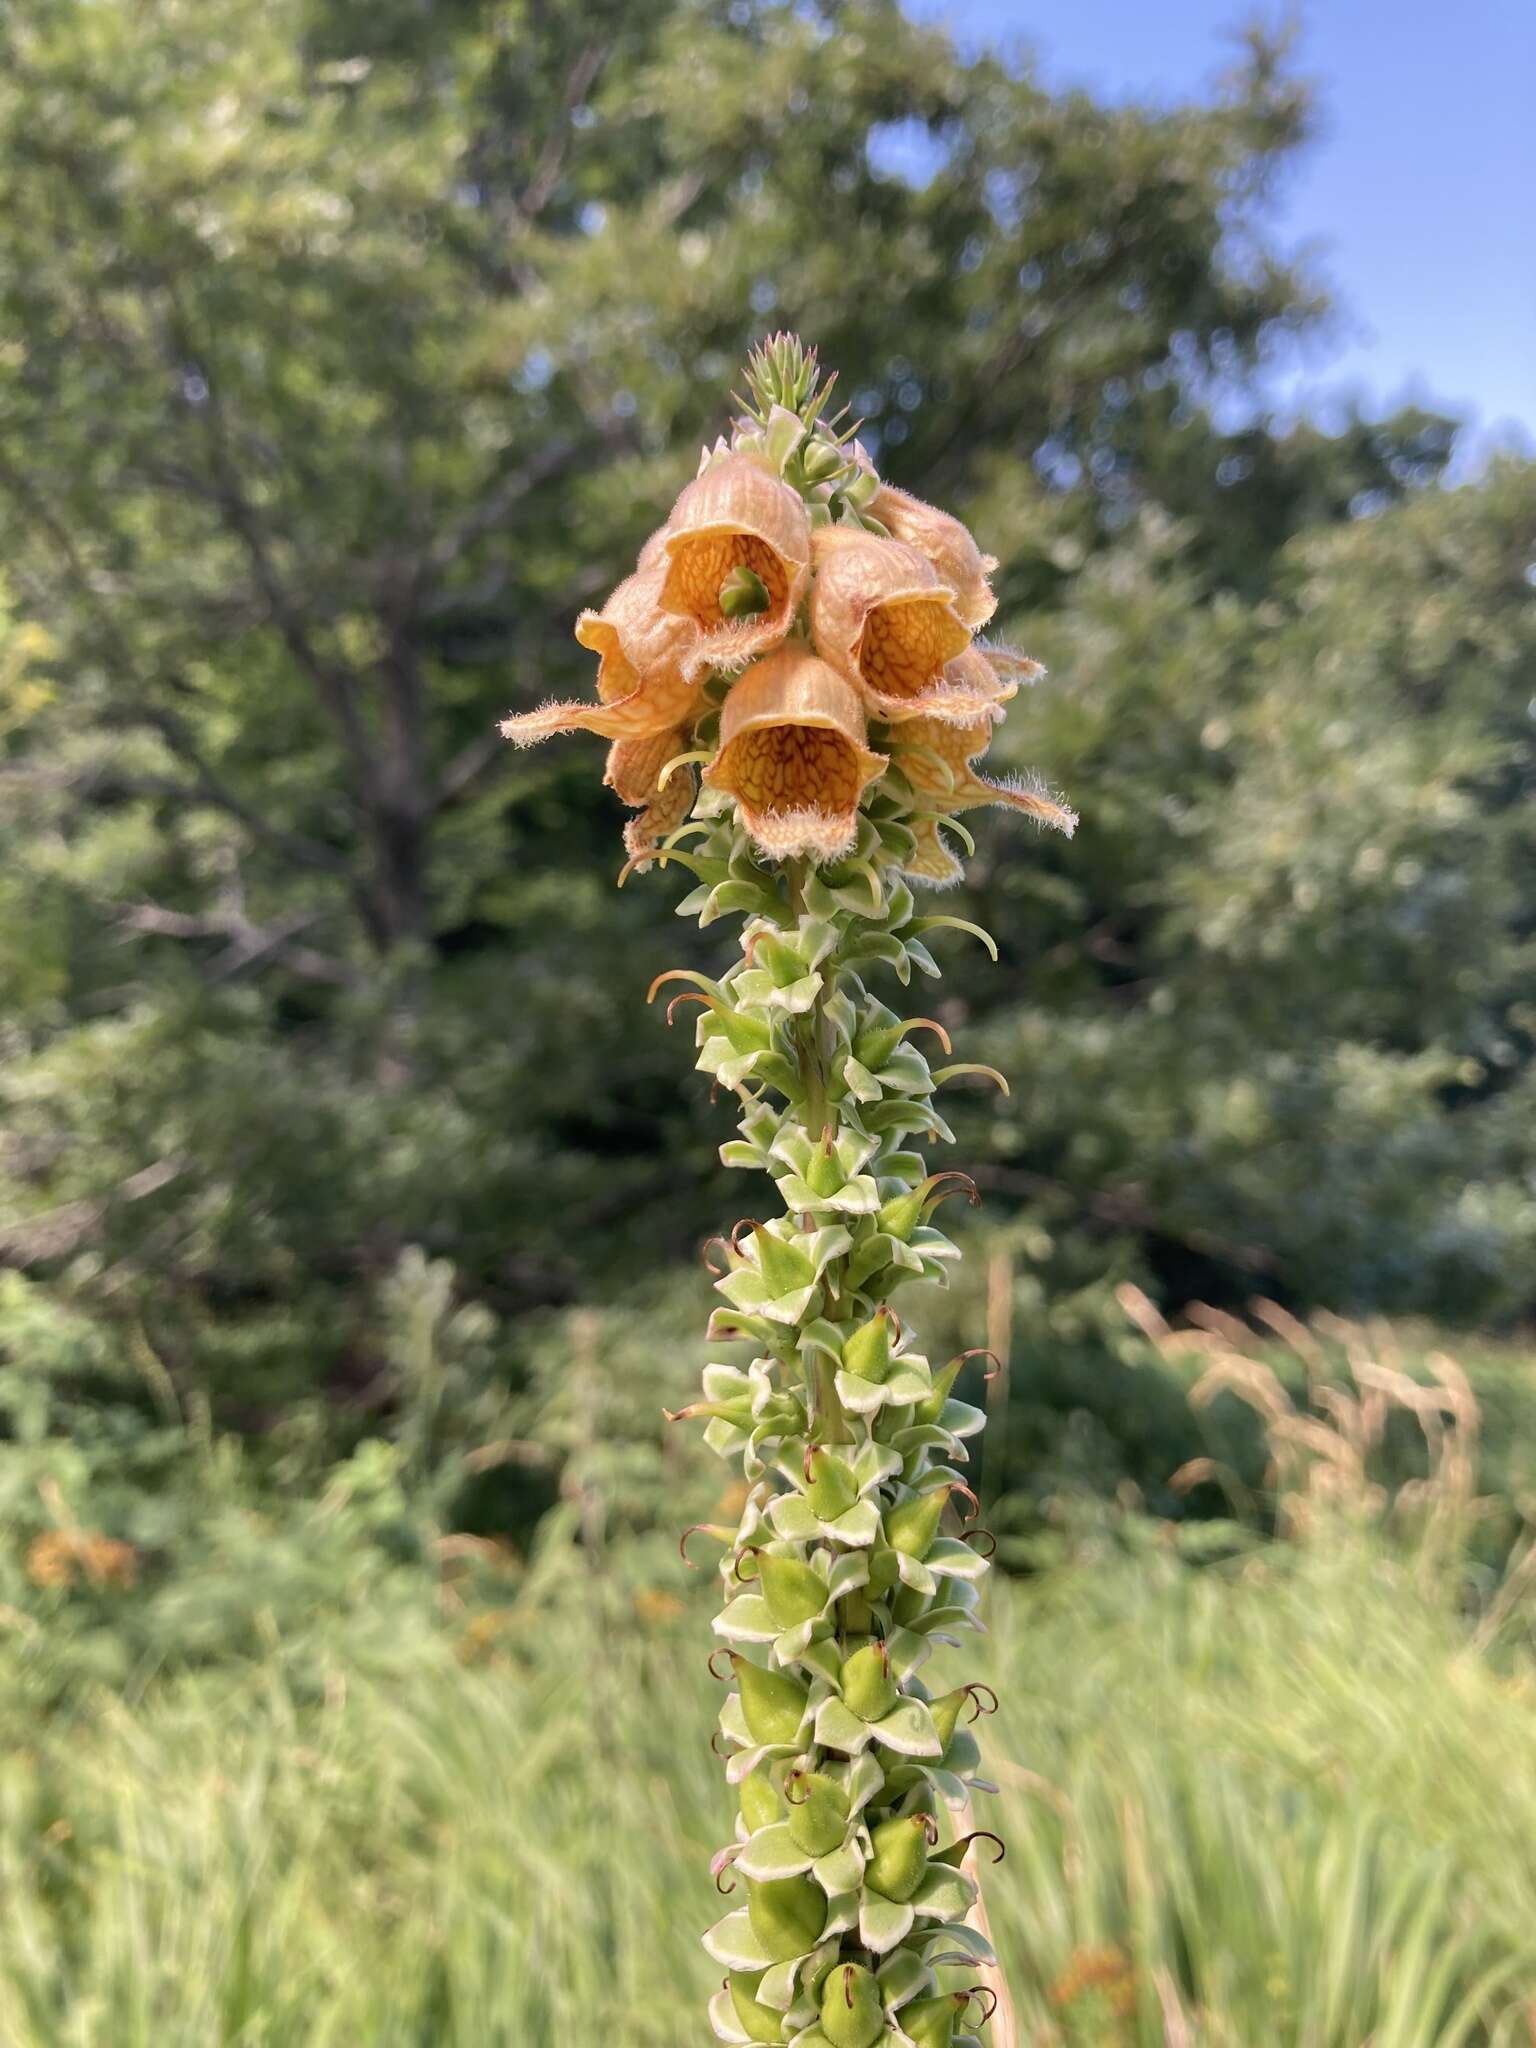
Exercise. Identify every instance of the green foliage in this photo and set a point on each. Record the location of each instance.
(1290, 1789)
(347, 348)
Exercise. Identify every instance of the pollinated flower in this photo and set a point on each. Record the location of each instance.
(804, 635)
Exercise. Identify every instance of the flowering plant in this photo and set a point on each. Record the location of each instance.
(797, 702)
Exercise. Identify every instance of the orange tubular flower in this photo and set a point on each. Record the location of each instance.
(792, 753)
(641, 684)
(946, 543)
(936, 757)
(882, 619)
(737, 516)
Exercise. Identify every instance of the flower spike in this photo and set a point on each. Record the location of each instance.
(803, 634)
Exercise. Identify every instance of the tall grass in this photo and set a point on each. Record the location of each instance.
(1288, 1796)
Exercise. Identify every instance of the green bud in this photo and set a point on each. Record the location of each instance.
(761, 2022)
(868, 1351)
(900, 1859)
(912, 1527)
(851, 2013)
(759, 1801)
(787, 1915)
(824, 1175)
(901, 1215)
(931, 2021)
(868, 1687)
(822, 461)
(783, 1266)
(931, 1407)
(743, 594)
(772, 1703)
(794, 1592)
(830, 1485)
(818, 1811)
(946, 1713)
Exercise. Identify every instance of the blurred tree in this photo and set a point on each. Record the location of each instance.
(350, 349)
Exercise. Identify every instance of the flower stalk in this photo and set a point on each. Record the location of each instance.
(804, 635)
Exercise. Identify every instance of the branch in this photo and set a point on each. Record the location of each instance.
(248, 943)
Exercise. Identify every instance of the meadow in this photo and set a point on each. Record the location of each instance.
(1257, 1785)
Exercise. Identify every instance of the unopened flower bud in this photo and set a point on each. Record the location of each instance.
(900, 1859)
(794, 1592)
(787, 1915)
(822, 461)
(930, 2022)
(818, 1811)
(851, 2013)
(830, 1486)
(912, 1527)
(868, 1351)
(772, 1703)
(868, 1687)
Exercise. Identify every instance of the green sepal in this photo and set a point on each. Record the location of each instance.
(759, 2022)
(867, 1353)
(794, 1591)
(759, 1799)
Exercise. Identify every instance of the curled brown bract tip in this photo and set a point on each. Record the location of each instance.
(959, 1486)
(980, 1351)
(706, 1248)
(721, 1678)
(688, 996)
(795, 1778)
(930, 1828)
(973, 1692)
(959, 1184)
(971, 1535)
(980, 1991)
(986, 1835)
(932, 1024)
(745, 1578)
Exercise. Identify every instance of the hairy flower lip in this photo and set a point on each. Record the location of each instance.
(883, 619)
(936, 758)
(798, 792)
(642, 684)
(735, 514)
(946, 542)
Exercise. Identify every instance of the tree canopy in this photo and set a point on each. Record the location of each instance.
(346, 349)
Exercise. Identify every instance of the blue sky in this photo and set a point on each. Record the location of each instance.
(1419, 192)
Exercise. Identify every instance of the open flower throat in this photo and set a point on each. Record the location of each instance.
(787, 546)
